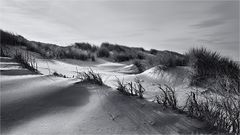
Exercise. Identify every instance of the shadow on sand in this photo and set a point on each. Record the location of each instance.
(14, 72)
(17, 113)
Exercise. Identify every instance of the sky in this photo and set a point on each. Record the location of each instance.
(175, 25)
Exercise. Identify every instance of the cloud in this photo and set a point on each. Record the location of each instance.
(223, 12)
(168, 25)
(209, 23)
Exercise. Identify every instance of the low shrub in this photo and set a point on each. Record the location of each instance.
(114, 47)
(140, 56)
(153, 51)
(93, 58)
(172, 61)
(85, 46)
(8, 38)
(122, 57)
(103, 52)
(139, 66)
(79, 51)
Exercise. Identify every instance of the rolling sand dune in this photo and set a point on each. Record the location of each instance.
(44, 104)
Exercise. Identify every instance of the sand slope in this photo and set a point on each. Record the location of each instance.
(43, 104)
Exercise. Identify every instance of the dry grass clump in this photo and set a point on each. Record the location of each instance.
(121, 87)
(27, 61)
(91, 77)
(167, 96)
(222, 113)
(23, 57)
(58, 74)
(131, 88)
(220, 76)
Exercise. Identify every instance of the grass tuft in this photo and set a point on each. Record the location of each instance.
(90, 77)
(221, 113)
(131, 88)
(211, 67)
(26, 61)
(167, 97)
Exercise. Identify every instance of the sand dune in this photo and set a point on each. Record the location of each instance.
(44, 104)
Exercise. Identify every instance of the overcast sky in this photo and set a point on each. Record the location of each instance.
(165, 25)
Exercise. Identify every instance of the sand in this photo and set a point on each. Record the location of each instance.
(44, 104)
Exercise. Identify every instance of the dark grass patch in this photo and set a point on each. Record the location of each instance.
(103, 52)
(210, 67)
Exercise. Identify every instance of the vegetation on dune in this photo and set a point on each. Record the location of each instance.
(85, 46)
(212, 67)
(3, 53)
(26, 61)
(167, 97)
(140, 66)
(153, 51)
(103, 52)
(113, 47)
(140, 56)
(80, 51)
(55, 73)
(218, 75)
(171, 59)
(134, 88)
(84, 51)
(93, 58)
(12, 39)
(222, 113)
(209, 64)
(121, 87)
(122, 57)
(90, 77)
(122, 53)
(119, 53)
(23, 57)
